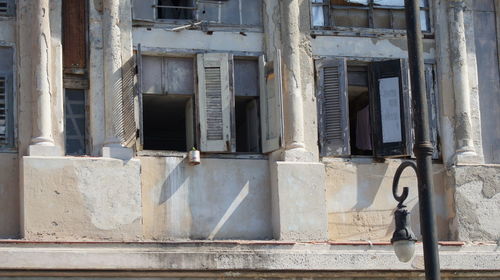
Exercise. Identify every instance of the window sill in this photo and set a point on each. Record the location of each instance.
(169, 25)
(364, 32)
(151, 153)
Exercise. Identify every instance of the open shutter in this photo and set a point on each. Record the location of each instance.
(4, 111)
(432, 101)
(390, 108)
(144, 10)
(333, 107)
(271, 110)
(128, 102)
(139, 91)
(215, 102)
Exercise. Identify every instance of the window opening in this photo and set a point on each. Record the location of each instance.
(75, 122)
(383, 14)
(247, 114)
(359, 111)
(176, 9)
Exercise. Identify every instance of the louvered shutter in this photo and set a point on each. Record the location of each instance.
(271, 109)
(4, 111)
(333, 107)
(390, 108)
(144, 10)
(139, 91)
(433, 105)
(128, 102)
(7, 8)
(215, 102)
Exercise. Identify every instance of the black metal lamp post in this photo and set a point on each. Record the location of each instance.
(423, 152)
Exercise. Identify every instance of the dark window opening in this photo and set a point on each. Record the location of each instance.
(176, 9)
(247, 125)
(247, 115)
(75, 122)
(359, 111)
(165, 122)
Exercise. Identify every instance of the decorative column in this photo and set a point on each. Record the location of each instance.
(463, 124)
(113, 82)
(42, 142)
(293, 104)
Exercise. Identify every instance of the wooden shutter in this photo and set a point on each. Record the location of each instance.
(139, 90)
(4, 111)
(271, 100)
(215, 100)
(74, 34)
(333, 107)
(7, 8)
(144, 10)
(390, 108)
(433, 105)
(128, 102)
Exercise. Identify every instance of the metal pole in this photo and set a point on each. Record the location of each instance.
(423, 146)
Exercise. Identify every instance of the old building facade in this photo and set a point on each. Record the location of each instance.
(300, 108)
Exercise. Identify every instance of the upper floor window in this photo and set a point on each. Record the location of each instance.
(6, 98)
(221, 12)
(213, 101)
(379, 14)
(7, 8)
(365, 107)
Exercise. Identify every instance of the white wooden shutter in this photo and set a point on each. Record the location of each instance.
(128, 102)
(144, 10)
(333, 107)
(215, 102)
(271, 101)
(4, 111)
(139, 90)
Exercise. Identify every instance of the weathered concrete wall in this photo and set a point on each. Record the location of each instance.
(218, 199)
(361, 205)
(485, 33)
(161, 41)
(477, 201)
(81, 199)
(9, 196)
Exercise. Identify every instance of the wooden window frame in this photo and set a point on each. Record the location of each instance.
(330, 21)
(405, 103)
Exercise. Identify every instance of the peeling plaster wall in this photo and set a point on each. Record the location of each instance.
(67, 198)
(361, 205)
(477, 199)
(218, 199)
(157, 40)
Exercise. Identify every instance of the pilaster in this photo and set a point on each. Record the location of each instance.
(464, 150)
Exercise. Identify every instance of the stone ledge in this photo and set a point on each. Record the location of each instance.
(237, 256)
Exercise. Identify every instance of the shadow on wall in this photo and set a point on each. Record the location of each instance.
(219, 199)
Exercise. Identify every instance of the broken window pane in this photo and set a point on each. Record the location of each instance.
(381, 18)
(350, 17)
(176, 9)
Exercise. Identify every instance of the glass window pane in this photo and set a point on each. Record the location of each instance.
(398, 19)
(350, 18)
(74, 118)
(424, 20)
(179, 75)
(318, 16)
(381, 18)
(350, 2)
(398, 3)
